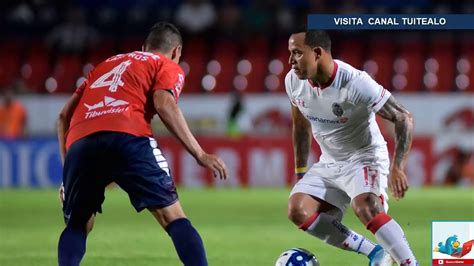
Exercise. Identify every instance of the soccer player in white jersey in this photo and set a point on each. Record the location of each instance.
(337, 104)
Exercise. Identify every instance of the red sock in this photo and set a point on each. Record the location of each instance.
(391, 237)
(377, 222)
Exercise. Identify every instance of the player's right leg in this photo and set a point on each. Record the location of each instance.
(185, 237)
(323, 220)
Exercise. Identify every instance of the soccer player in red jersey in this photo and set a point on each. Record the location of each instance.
(105, 136)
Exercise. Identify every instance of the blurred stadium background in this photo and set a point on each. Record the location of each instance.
(235, 57)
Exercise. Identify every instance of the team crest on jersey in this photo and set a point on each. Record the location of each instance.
(337, 109)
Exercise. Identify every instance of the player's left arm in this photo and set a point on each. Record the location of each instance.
(399, 115)
(64, 120)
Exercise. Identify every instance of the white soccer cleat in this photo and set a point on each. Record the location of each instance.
(378, 257)
(387, 259)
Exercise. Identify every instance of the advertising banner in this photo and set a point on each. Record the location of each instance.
(252, 162)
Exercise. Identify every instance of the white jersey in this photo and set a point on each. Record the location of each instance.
(342, 115)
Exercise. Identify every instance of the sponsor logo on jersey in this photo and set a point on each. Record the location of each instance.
(111, 105)
(343, 120)
(340, 120)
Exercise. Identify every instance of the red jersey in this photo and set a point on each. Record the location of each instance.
(118, 94)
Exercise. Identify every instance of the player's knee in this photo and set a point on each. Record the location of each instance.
(166, 215)
(89, 229)
(297, 214)
(90, 224)
(367, 206)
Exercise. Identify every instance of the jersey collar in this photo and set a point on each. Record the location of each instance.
(329, 82)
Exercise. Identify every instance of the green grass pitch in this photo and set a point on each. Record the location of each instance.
(239, 226)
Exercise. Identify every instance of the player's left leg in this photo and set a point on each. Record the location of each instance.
(83, 196)
(387, 231)
(365, 183)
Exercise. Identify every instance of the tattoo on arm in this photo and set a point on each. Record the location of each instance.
(301, 138)
(395, 112)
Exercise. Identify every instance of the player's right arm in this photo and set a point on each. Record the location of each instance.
(301, 129)
(172, 117)
(301, 134)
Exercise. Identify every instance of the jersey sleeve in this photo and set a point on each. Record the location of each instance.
(365, 90)
(82, 87)
(170, 77)
(289, 87)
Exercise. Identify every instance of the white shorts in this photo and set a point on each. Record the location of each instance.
(338, 183)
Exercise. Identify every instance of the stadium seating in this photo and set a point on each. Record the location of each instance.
(9, 68)
(407, 64)
(10, 61)
(130, 44)
(379, 63)
(467, 53)
(102, 50)
(256, 53)
(195, 55)
(282, 55)
(225, 53)
(66, 72)
(36, 67)
(441, 56)
(351, 52)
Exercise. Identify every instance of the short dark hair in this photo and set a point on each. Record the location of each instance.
(319, 38)
(314, 38)
(163, 37)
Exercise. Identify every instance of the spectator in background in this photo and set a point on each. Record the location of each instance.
(233, 129)
(21, 14)
(196, 16)
(284, 18)
(258, 17)
(229, 20)
(73, 36)
(461, 171)
(12, 116)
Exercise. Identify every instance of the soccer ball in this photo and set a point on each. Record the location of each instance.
(297, 257)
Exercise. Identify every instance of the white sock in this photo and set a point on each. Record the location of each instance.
(332, 231)
(392, 238)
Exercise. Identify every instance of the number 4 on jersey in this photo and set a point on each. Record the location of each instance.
(112, 79)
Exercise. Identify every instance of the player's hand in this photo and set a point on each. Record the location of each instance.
(61, 194)
(398, 182)
(214, 163)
